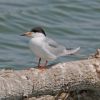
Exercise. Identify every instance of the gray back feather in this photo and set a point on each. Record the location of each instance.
(54, 47)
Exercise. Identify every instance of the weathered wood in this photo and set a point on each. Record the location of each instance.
(69, 76)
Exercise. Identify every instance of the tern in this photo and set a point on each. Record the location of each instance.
(46, 48)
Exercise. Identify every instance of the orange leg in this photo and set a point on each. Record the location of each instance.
(46, 63)
(42, 67)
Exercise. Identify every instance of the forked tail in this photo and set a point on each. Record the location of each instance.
(72, 51)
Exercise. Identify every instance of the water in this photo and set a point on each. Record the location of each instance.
(72, 23)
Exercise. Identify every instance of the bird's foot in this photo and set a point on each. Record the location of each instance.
(42, 68)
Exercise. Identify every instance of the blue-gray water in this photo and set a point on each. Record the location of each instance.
(72, 23)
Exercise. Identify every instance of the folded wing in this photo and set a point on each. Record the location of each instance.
(57, 49)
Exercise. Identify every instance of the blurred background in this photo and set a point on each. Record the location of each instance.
(72, 23)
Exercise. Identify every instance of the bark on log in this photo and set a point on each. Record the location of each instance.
(69, 76)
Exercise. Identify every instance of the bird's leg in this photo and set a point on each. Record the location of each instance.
(39, 63)
(45, 63)
(42, 67)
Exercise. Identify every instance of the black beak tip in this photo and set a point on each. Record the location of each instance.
(22, 35)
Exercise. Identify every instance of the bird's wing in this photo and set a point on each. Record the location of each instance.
(53, 47)
(57, 49)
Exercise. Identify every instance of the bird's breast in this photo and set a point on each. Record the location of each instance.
(37, 47)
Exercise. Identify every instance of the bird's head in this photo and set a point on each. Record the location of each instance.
(35, 32)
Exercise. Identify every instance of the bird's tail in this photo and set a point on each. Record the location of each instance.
(72, 51)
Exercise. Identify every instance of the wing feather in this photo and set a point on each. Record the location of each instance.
(54, 47)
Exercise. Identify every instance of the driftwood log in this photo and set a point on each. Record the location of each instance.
(63, 80)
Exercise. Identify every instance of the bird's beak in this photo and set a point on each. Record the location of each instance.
(23, 34)
(29, 34)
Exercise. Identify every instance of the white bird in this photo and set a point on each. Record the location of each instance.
(46, 48)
